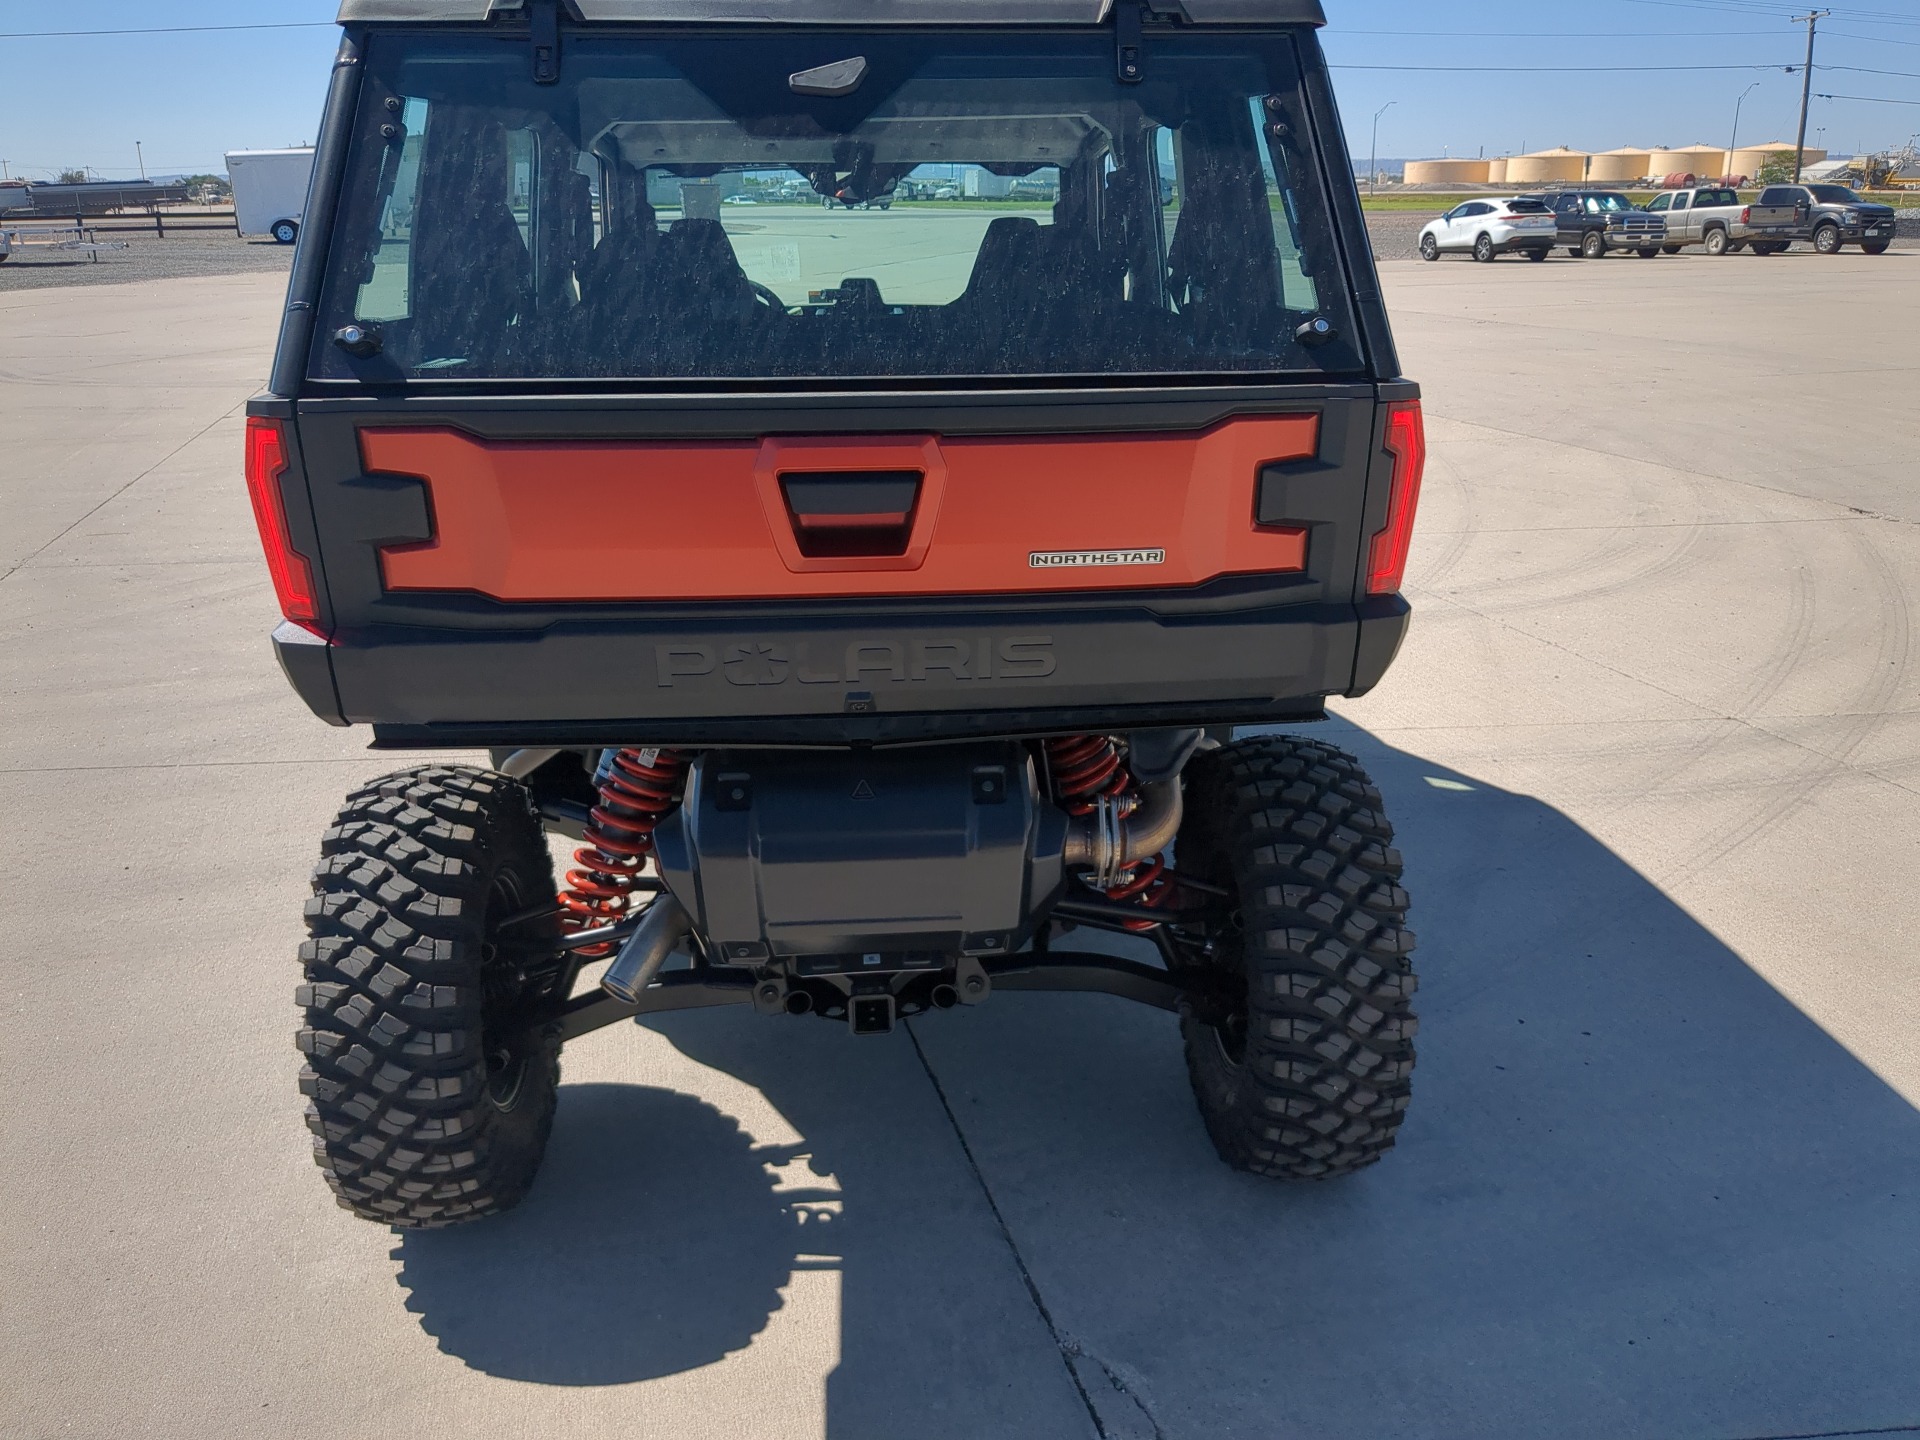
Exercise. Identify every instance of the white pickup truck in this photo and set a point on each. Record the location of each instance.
(1707, 215)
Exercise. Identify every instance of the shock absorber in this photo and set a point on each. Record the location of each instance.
(1087, 769)
(638, 788)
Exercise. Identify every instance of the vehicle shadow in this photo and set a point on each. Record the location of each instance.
(1639, 1194)
(653, 1244)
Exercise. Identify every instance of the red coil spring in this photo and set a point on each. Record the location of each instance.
(1085, 769)
(636, 793)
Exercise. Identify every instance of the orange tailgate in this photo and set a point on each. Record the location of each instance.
(549, 520)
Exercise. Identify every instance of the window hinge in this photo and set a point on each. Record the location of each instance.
(1128, 57)
(543, 16)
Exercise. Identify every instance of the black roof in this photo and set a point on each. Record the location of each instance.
(836, 12)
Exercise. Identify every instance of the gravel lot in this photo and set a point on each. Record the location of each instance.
(36, 267)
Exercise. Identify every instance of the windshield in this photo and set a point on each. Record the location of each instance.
(976, 205)
(1834, 195)
(1607, 204)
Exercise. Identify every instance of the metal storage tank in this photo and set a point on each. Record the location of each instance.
(1706, 161)
(1446, 172)
(1548, 167)
(1497, 171)
(1748, 159)
(1618, 167)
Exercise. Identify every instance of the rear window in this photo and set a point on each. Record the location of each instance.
(1527, 207)
(1780, 195)
(1715, 197)
(977, 206)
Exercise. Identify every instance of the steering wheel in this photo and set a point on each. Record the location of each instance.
(767, 297)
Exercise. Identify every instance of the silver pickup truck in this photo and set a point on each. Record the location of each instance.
(1706, 215)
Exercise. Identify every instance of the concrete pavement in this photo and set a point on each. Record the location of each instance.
(1652, 748)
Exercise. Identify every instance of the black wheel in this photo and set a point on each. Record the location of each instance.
(285, 232)
(1483, 250)
(1671, 249)
(1876, 247)
(1716, 243)
(1429, 248)
(1574, 251)
(1649, 254)
(1594, 247)
(430, 1093)
(1308, 1073)
(1826, 240)
(1536, 254)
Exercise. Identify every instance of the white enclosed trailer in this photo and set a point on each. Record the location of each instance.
(270, 191)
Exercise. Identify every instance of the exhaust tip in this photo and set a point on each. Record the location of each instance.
(945, 997)
(799, 1002)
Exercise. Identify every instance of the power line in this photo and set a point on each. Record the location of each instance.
(1869, 99)
(165, 30)
(1543, 69)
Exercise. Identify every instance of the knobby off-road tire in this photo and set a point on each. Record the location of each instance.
(430, 1096)
(1310, 1077)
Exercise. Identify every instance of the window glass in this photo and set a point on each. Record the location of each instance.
(1834, 195)
(1680, 202)
(1527, 207)
(1779, 195)
(1660, 203)
(980, 205)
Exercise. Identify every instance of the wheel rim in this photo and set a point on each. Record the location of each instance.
(503, 979)
(1429, 247)
(1483, 249)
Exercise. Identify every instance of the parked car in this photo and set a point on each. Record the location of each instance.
(1593, 222)
(1707, 215)
(1831, 216)
(1489, 229)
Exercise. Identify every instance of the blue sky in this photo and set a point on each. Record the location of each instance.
(85, 100)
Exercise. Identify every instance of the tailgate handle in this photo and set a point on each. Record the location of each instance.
(850, 513)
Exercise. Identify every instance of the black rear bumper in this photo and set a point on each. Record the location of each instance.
(865, 681)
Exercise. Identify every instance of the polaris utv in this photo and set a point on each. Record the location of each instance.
(869, 595)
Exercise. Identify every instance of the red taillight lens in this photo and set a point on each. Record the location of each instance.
(292, 575)
(1407, 443)
(1746, 214)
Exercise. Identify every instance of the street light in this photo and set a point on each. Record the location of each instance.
(1373, 164)
(1733, 138)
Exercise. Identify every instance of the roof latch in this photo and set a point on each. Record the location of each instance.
(543, 16)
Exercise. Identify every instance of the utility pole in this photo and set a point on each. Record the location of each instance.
(1373, 165)
(142, 157)
(1812, 21)
(1733, 140)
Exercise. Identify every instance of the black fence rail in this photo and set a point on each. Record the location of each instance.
(159, 223)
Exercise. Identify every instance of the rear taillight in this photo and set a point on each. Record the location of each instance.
(1407, 444)
(1746, 214)
(292, 575)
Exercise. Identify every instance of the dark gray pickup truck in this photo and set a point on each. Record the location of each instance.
(1831, 216)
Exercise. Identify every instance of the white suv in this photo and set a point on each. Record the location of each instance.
(1490, 228)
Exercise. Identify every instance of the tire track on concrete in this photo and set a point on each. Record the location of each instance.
(1859, 721)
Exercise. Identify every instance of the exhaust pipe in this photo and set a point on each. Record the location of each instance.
(662, 928)
(1108, 842)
